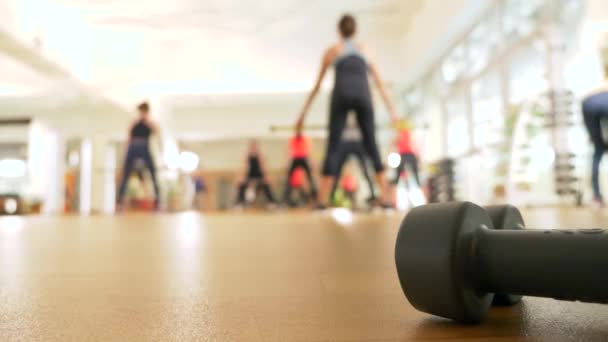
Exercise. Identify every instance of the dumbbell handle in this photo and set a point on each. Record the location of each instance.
(561, 264)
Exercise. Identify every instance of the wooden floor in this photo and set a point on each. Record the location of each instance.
(242, 277)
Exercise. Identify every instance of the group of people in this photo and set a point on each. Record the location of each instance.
(351, 93)
(300, 178)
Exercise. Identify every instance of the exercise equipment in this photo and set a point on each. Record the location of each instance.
(451, 260)
(441, 181)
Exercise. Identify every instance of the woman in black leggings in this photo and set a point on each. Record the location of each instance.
(137, 148)
(351, 93)
(254, 174)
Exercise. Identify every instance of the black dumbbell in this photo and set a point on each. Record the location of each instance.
(450, 261)
(505, 217)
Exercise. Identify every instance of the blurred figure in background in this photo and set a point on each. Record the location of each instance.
(351, 145)
(297, 182)
(299, 149)
(595, 110)
(255, 174)
(351, 92)
(409, 155)
(138, 149)
(349, 186)
(200, 190)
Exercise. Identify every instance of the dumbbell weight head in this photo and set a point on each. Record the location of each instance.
(433, 265)
(505, 217)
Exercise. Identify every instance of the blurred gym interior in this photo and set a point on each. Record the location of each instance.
(178, 170)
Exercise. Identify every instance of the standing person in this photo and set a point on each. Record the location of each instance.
(349, 187)
(351, 144)
(138, 148)
(255, 173)
(297, 183)
(408, 152)
(200, 190)
(299, 149)
(595, 109)
(351, 92)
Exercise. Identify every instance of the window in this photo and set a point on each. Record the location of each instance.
(521, 18)
(488, 115)
(457, 125)
(484, 41)
(455, 64)
(528, 73)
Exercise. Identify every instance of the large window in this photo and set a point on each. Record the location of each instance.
(455, 64)
(457, 125)
(484, 42)
(488, 113)
(521, 18)
(528, 73)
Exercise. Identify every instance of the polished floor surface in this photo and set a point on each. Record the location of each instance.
(242, 277)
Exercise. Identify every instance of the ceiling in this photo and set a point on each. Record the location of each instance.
(189, 55)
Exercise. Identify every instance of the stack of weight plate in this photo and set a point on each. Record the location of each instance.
(441, 182)
(561, 117)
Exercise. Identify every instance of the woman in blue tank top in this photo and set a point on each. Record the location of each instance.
(351, 93)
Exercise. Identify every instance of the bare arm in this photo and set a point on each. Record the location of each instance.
(326, 61)
(382, 89)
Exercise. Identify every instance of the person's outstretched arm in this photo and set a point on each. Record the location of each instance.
(382, 89)
(155, 128)
(325, 62)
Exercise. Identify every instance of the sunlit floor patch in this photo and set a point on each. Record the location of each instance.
(342, 216)
(11, 223)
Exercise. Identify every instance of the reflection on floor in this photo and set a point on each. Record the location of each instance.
(245, 277)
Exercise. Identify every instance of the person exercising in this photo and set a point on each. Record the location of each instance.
(297, 183)
(595, 110)
(138, 148)
(255, 174)
(350, 93)
(349, 185)
(200, 189)
(351, 145)
(299, 149)
(409, 155)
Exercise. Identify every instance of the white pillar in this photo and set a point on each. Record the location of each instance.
(86, 167)
(46, 167)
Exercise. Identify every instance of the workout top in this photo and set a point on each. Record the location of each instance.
(255, 168)
(297, 178)
(299, 147)
(349, 183)
(405, 145)
(351, 72)
(141, 130)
